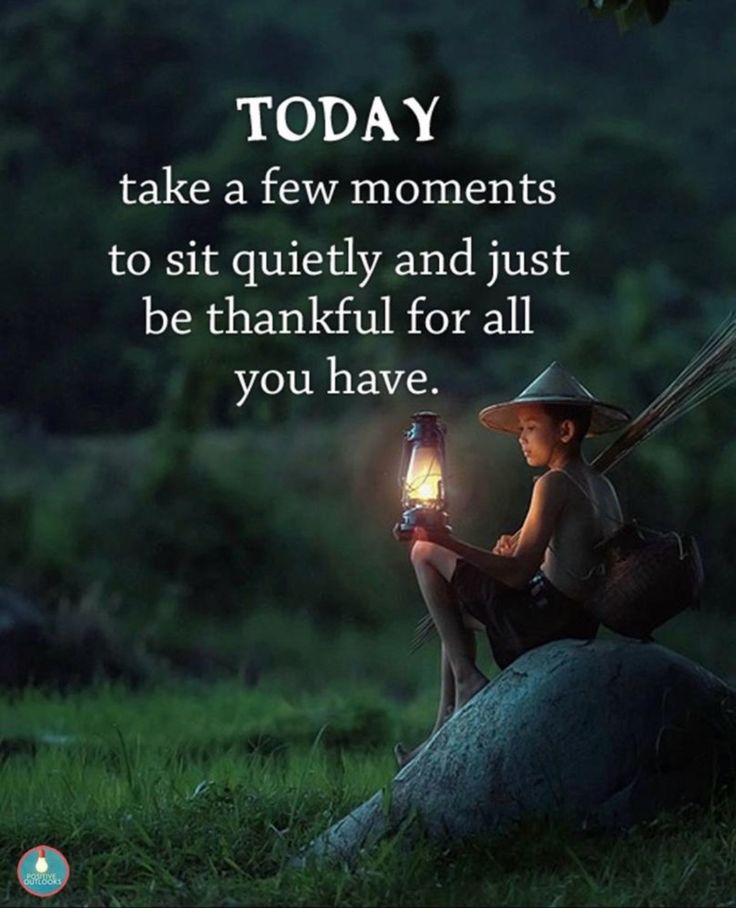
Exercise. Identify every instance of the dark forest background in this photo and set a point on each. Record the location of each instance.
(132, 486)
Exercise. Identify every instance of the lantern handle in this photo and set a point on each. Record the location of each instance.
(405, 453)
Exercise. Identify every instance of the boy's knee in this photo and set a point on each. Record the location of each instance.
(421, 552)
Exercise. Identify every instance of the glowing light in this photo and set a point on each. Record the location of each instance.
(42, 865)
(424, 476)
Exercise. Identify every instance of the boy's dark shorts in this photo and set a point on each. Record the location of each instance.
(519, 620)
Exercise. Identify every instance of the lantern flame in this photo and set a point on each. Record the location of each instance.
(424, 476)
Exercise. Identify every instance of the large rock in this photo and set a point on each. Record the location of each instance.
(602, 734)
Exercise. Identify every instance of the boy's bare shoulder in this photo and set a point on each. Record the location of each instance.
(552, 484)
(588, 480)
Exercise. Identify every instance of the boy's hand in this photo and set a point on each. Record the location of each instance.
(422, 534)
(398, 535)
(418, 534)
(505, 545)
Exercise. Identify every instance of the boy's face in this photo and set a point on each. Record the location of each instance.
(539, 435)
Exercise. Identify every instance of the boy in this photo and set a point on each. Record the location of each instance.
(530, 588)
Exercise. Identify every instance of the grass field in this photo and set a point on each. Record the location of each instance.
(199, 794)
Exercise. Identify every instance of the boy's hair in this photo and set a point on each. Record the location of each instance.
(579, 415)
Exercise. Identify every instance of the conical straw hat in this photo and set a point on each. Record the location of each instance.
(554, 386)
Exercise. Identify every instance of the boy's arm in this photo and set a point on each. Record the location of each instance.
(548, 498)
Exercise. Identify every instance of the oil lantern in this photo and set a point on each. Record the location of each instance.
(422, 477)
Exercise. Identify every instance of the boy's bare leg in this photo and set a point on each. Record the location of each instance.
(434, 569)
(445, 709)
(447, 693)
(461, 678)
(446, 705)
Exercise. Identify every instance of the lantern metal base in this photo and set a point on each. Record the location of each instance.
(428, 518)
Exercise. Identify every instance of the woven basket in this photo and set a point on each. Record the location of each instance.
(649, 578)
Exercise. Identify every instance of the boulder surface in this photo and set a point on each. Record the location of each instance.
(600, 734)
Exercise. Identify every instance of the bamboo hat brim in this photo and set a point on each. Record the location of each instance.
(554, 386)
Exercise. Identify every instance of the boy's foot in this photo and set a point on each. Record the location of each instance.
(404, 756)
(468, 689)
